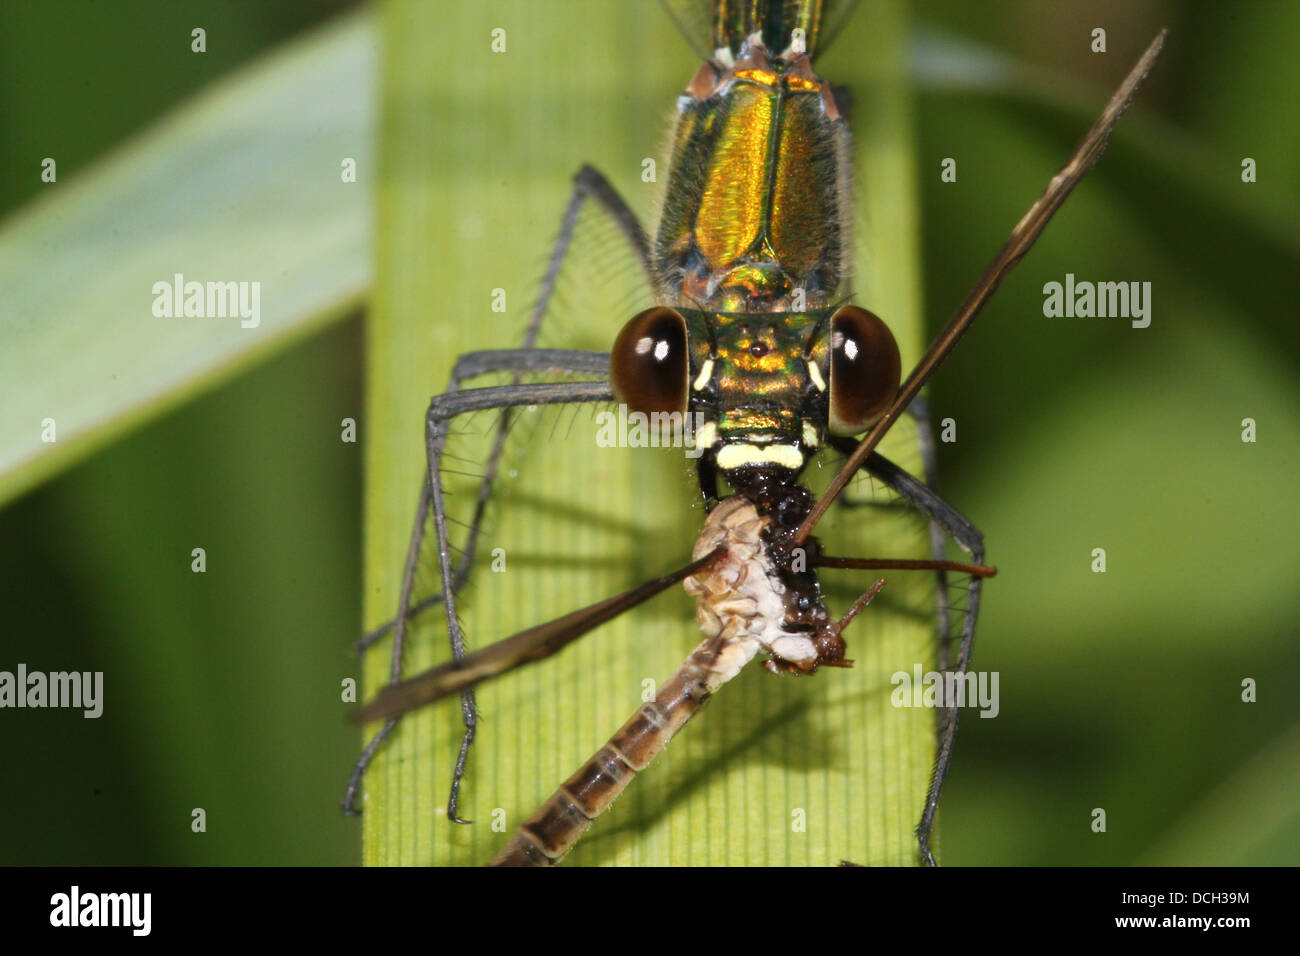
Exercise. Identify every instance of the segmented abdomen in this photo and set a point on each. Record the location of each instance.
(546, 836)
(739, 612)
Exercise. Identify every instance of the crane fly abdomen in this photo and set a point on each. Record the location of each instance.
(545, 837)
(742, 609)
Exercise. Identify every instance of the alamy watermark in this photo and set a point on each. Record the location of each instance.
(946, 689)
(1102, 300)
(208, 300)
(626, 429)
(131, 911)
(75, 689)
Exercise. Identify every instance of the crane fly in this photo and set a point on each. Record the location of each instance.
(752, 332)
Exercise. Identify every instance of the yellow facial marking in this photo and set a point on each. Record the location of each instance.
(737, 456)
(815, 374)
(706, 436)
(706, 373)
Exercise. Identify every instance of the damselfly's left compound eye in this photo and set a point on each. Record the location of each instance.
(865, 370)
(648, 366)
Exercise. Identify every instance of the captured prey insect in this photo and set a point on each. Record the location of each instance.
(752, 333)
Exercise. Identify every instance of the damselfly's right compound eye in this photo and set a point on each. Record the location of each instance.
(865, 370)
(648, 366)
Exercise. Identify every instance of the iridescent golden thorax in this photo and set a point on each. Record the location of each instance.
(753, 221)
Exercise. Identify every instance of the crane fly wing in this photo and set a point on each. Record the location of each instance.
(527, 646)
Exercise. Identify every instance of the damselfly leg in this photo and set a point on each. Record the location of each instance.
(948, 520)
(589, 185)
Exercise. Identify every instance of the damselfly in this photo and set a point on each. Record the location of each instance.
(753, 332)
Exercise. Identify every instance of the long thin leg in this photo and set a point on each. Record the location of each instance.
(923, 497)
(920, 412)
(589, 183)
(1022, 237)
(970, 540)
(441, 411)
(470, 365)
(394, 668)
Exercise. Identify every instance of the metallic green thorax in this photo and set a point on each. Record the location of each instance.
(752, 240)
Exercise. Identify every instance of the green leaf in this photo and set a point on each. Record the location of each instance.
(478, 151)
(1249, 819)
(242, 184)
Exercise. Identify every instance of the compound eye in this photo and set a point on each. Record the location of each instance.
(865, 370)
(648, 366)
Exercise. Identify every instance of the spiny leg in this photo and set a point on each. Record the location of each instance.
(1022, 237)
(448, 406)
(920, 412)
(441, 411)
(970, 540)
(486, 362)
(571, 361)
(588, 183)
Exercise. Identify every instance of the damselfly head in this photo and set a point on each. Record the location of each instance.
(765, 387)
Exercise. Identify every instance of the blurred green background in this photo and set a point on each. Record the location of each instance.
(1119, 691)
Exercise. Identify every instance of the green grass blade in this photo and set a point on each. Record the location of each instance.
(478, 150)
(242, 184)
